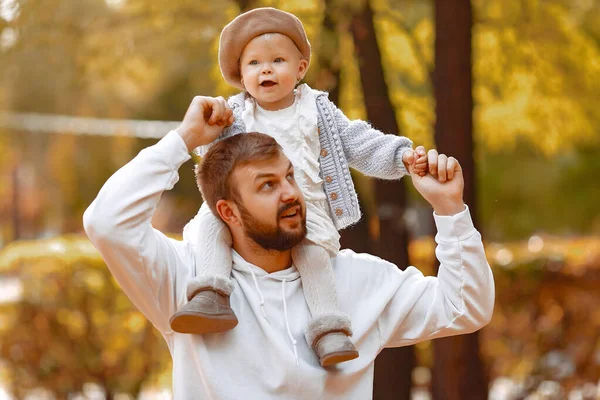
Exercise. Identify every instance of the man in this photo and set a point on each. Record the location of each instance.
(265, 356)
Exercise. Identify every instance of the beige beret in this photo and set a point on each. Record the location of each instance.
(245, 27)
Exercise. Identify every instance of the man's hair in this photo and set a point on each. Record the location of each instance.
(213, 173)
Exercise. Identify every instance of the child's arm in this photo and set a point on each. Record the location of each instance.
(368, 150)
(422, 160)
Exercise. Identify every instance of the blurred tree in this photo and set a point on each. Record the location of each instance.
(72, 324)
(330, 53)
(393, 367)
(327, 51)
(458, 372)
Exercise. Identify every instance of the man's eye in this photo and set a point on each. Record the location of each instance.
(278, 59)
(290, 176)
(266, 185)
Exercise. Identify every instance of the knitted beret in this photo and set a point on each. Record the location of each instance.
(245, 27)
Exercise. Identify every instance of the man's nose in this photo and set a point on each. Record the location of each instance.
(289, 193)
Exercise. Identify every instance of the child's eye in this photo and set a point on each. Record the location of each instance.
(278, 60)
(253, 62)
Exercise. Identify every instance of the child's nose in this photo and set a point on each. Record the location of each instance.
(266, 68)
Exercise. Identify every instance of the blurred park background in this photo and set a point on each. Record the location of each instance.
(511, 88)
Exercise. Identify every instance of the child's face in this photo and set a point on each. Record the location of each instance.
(270, 66)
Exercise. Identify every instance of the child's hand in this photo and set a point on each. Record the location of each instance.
(204, 121)
(419, 154)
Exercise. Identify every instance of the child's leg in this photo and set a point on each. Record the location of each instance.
(213, 254)
(208, 309)
(330, 329)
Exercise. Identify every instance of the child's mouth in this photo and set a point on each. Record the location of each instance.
(268, 83)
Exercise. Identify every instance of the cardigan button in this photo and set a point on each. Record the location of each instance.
(333, 196)
(324, 153)
(328, 179)
(338, 212)
(319, 130)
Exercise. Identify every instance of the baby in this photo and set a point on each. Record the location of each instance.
(265, 53)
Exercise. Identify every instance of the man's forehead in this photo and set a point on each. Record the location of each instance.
(257, 169)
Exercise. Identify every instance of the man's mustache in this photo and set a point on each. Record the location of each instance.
(286, 207)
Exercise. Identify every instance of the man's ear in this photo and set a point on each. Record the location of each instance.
(228, 211)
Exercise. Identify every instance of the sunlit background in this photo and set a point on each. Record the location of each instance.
(86, 84)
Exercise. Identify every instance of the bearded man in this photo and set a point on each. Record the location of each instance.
(265, 356)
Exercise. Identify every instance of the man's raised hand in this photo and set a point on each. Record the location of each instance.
(204, 120)
(444, 191)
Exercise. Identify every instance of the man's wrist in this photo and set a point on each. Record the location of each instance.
(188, 138)
(449, 208)
(172, 149)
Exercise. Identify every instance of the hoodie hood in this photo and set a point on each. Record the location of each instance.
(191, 232)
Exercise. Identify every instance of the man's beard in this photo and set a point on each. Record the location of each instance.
(273, 237)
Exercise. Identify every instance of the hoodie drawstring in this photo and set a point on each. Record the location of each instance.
(287, 323)
(262, 299)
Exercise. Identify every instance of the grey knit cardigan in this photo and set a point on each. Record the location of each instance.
(344, 144)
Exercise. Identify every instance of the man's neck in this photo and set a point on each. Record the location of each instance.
(269, 260)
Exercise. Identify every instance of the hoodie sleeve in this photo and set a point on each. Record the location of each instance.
(459, 300)
(150, 268)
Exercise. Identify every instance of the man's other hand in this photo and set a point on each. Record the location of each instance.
(444, 191)
(204, 120)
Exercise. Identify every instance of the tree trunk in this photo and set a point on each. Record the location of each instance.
(458, 371)
(328, 75)
(328, 79)
(393, 367)
(15, 203)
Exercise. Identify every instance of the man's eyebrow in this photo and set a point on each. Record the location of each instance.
(270, 174)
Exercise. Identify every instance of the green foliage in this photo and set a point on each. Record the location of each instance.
(523, 192)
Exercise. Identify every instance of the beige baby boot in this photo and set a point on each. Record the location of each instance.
(329, 335)
(208, 309)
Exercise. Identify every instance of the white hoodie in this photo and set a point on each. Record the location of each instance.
(266, 355)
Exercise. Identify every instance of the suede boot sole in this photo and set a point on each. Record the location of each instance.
(334, 348)
(338, 357)
(198, 323)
